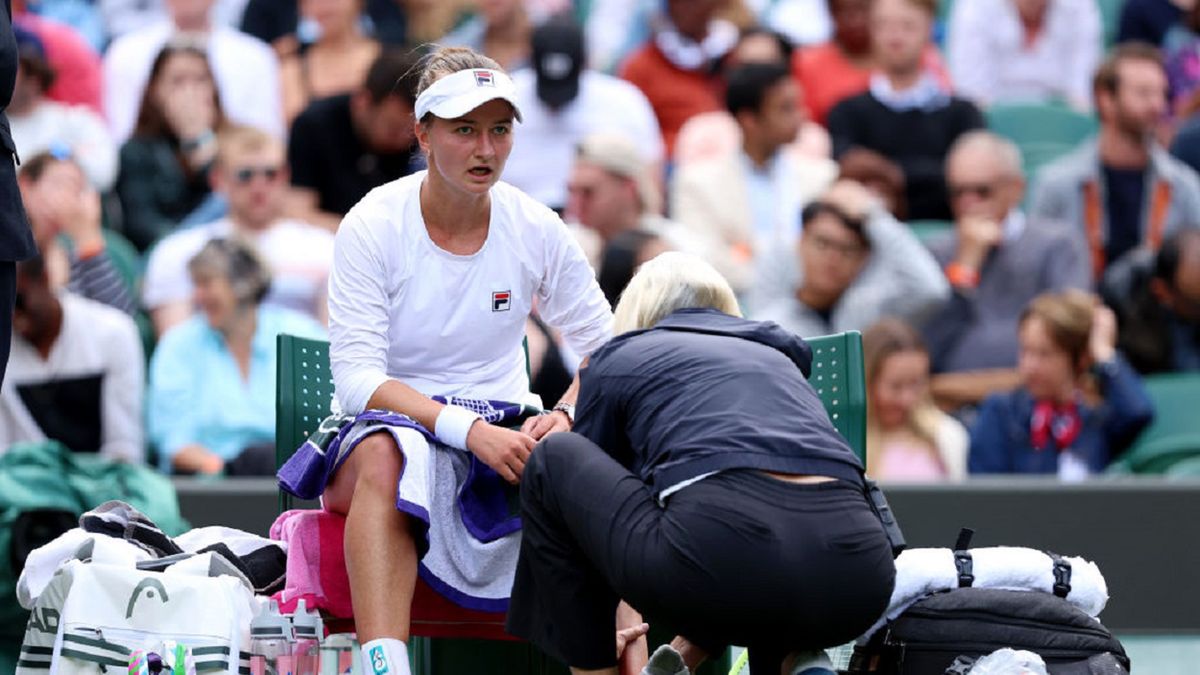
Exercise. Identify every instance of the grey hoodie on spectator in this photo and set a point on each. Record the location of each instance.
(901, 279)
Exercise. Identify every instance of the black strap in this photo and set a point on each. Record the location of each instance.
(1062, 575)
(963, 562)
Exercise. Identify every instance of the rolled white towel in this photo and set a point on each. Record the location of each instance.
(921, 572)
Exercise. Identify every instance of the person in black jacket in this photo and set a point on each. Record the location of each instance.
(16, 240)
(704, 485)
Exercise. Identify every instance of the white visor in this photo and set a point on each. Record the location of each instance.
(459, 93)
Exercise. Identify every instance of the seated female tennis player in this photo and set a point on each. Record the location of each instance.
(704, 485)
(433, 278)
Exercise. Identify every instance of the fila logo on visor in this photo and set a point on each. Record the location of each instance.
(484, 78)
(501, 301)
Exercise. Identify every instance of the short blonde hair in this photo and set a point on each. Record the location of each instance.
(670, 282)
(238, 139)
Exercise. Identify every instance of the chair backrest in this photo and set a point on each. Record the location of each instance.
(304, 389)
(840, 380)
(1175, 433)
(1043, 131)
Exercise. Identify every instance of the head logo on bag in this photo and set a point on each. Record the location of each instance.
(150, 585)
(379, 664)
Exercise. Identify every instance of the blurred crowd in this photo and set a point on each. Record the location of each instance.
(1001, 194)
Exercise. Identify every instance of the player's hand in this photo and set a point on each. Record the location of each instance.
(504, 450)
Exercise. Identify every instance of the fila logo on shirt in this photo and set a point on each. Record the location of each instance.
(501, 301)
(484, 78)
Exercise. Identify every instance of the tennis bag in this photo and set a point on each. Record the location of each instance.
(929, 637)
(972, 603)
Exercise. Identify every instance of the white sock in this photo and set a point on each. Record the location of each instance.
(385, 656)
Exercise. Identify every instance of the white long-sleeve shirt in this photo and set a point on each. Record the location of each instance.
(402, 308)
(95, 341)
(245, 68)
(990, 61)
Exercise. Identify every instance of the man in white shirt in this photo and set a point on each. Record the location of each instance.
(750, 201)
(1025, 50)
(245, 68)
(562, 102)
(75, 374)
(251, 173)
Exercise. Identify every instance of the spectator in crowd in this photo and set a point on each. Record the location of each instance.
(75, 373)
(621, 258)
(16, 240)
(227, 425)
(64, 211)
(1181, 48)
(501, 29)
(79, 78)
(1049, 425)
(392, 22)
(854, 265)
(997, 261)
(676, 69)
(1001, 51)
(1149, 20)
(562, 102)
(1185, 146)
(129, 16)
(83, 17)
(164, 166)
(801, 22)
(336, 63)
(748, 202)
(1122, 188)
(611, 191)
(343, 146)
(842, 67)
(38, 124)
(716, 133)
(1156, 297)
(906, 122)
(908, 438)
(245, 69)
(250, 171)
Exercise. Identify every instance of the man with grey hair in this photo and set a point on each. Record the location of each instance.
(612, 190)
(996, 261)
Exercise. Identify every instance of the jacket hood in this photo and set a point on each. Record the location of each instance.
(769, 333)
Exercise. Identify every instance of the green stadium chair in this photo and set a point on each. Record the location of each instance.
(1187, 468)
(1110, 18)
(930, 230)
(1174, 436)
(840, 381)
(1043, 131)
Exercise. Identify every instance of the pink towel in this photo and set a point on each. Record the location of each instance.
(316, 563)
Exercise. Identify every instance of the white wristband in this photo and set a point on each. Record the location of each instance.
(453, 424)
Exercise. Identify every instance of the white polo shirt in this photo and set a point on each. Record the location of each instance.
(402, 308)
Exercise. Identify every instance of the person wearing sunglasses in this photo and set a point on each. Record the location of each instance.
(996, 260)
(250, 172)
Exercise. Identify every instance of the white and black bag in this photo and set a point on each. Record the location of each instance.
(92, 617)
(952, 607)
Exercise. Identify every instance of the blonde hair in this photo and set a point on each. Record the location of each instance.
(883, 340)
(238, 138)
(669, 282)
(1067, 318)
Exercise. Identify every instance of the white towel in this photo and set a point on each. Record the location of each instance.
(921, 572)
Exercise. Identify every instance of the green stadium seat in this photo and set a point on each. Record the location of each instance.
(930, 230)
(1174, 436)
(1043, 131)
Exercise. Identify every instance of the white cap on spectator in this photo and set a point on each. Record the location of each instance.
(620, 156)
(459, 93)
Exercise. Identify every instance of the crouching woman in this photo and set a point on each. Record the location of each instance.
(704, 485)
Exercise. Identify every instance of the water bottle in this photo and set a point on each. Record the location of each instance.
(308, 630)
(271, 641)
(340, 655)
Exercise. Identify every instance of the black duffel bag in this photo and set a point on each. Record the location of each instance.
(930, 636)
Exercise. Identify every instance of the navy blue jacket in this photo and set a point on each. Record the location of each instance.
(1000, 438)
(703, 391)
